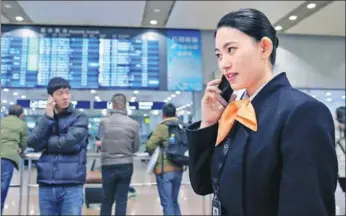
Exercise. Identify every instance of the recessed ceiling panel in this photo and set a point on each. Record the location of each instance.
(330, 20)
(4, 19)
(206, 14)
(104, 13)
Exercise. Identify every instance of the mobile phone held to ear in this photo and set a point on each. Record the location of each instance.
(226, 91)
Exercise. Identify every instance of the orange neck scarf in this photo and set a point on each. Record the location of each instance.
(239, 110)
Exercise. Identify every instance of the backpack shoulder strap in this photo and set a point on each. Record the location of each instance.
(171, 125)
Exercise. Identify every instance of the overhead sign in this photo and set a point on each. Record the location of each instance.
(41, 104)
(142, 105)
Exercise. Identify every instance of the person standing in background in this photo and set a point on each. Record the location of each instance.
(13, 141)
(168, 176)
(62, 137)
(119, 136)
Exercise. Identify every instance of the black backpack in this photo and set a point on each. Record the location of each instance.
(177, 152)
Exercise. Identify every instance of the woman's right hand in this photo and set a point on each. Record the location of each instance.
(211, 108)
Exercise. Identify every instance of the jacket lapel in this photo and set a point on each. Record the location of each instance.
(278, 82)
(261, 102)
(234, 171)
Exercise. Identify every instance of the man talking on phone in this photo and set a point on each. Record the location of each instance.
(61, 135)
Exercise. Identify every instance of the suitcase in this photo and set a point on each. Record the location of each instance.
(93, 195)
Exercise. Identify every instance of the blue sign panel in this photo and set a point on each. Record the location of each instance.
(41, 104)
(184, 60)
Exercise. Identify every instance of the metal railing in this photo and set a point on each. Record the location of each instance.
(30, 157)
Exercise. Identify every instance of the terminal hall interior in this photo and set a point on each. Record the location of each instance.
(153, 52)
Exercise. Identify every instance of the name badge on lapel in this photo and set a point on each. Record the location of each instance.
(216, 207)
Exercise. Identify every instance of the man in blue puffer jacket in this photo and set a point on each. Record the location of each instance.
(61, 135)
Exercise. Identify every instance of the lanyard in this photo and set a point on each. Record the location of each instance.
(222, 154)
(220, 162)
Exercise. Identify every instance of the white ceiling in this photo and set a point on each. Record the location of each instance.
(4, 19)
(330, 20)
(206, 14)
(107, 13)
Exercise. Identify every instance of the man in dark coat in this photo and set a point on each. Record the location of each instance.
(62, 136)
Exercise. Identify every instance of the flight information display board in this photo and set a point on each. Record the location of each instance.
(98, 58)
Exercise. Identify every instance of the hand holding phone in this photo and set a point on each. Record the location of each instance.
(210, 106)
(216, 97)
(226, 91)
(50, 107)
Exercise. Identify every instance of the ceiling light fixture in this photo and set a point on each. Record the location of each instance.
(293, 17)
(23, 96)
(278, 28)
(169, 98)
(5, 90)
(178, 92)
(173, 95)
(157, 10)
(92, 91)
(15, 93)
(329, 99)
(155, 112)
(11, 103)
(311, 6)
(135, 92)
(4, 101)
(8, 6)
(19, 18)
(343, 97)
(153, 22)
(328, 94)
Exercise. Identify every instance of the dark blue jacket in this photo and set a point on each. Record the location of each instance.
(288, 167)
(63, 142)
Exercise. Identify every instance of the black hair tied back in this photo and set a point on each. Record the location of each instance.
(253, 23)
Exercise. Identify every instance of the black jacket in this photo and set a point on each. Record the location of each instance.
(288, 167)
(63, 142)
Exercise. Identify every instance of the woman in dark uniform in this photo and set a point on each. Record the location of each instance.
(271, 153)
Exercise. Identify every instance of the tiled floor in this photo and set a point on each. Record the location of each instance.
(145, 203)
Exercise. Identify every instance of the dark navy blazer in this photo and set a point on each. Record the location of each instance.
(287, 168)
